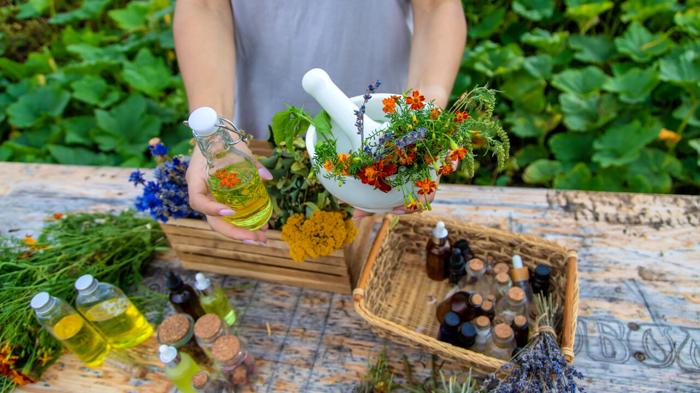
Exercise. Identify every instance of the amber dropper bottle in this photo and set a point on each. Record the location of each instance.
(183, 297)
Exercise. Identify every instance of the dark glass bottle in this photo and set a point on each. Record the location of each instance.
(467, 335)
(457, 266)
(459, 304)
(183, 297)
(464, 247)
(437, 253)
(475, 302)
(520, 328)
(449, 328)
(540, 280)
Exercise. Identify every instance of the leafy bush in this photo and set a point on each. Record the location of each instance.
(88, 82)
(602, 95)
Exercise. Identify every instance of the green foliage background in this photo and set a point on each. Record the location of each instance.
(586, 85)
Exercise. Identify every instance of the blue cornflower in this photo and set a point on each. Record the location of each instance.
(158, 150)
(136, 177)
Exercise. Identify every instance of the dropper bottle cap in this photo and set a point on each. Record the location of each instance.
(439, 231)
(167, 354)
(517, 262)
(519, 272)
(202, 282)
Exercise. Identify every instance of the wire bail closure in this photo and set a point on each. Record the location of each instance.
(228, 125)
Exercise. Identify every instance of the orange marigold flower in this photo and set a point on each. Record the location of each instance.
(229, 180)
(427, 159)
(389, 105)
(28, 240)
(415, 100)
(457, 154)
(342, 157)
(461, 116)
(426, 186)
(669, 136)
(328, 165)
(412, 204)
(57, 216)
(446, 169)
(370, 173)
(434, 113)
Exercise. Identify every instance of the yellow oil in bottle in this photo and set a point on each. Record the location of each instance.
(81, 339)
(217, 303)
(239, 186)
(120, 321)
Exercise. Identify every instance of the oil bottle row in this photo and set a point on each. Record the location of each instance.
(490, 308)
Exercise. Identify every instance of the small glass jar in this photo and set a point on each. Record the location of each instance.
(207, 329)
(475, 281)
(483, 334)
(203, 382)
(501, 285)
(502, 343)
(177, 330)
(487, 309)
(510, 306)
(236, 365)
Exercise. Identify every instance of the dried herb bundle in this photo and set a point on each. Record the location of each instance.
(113, 248)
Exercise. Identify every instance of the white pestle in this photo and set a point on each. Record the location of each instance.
(319, 85)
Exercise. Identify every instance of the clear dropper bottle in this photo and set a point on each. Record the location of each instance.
(214, 300)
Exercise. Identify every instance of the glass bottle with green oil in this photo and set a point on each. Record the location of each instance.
(214, 300)
(69, 327)
(232, 176)
(179, 368)
(111, 312)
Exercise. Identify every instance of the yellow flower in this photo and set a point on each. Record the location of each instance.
(29, 241)
(320, 235)
(669, 136)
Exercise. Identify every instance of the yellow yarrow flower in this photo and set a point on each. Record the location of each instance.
(319, 235)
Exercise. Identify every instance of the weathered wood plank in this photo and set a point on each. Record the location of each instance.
(639, 319)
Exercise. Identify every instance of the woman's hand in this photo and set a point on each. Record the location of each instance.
(202, 201)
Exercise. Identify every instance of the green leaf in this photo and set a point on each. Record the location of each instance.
(530, 153)
(535, 10)
(36, 63)
(491, 59)
(5, 101)
(94, 55)
(539, 66)
(541, 171)
(587, 113)
(289, 123)
(609, 179)
(75, 155)
(586, 12)
(89, 9)
(322, 123)
(524, 124)
(640, 10)
(78, 129)
(32, 8)
(525, 91)
(580, 81)
(577, 178)
(592, 49)
(545, 40)
(39, 103)
(131, 18)
(683, 68)
(95, 91)
(683, 112)
(147, 73)
(652, 171)
(488, 25)
(572, 146)
(5, 153)
(689, 20)
(621, 144)
(641, 45)
(126, 127)
(634, 85)
(695, 144)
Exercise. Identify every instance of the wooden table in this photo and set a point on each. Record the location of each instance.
(639, 319)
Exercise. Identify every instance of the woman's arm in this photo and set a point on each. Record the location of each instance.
(206, 55)
(439, 36)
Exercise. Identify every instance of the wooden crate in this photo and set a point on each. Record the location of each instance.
(201, 248)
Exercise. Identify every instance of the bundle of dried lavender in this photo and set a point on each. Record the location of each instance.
(540, 366)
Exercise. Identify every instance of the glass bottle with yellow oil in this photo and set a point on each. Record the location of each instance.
(232, 176)
(111, 312)
(214, 300)
(69, 327)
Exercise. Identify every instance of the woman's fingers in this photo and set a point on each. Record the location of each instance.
(201, 201)
(264, 172)
(228, 230)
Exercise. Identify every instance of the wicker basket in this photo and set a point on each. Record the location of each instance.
(398, 300)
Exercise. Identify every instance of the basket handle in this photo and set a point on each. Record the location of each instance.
(571, 298)
(358, 292)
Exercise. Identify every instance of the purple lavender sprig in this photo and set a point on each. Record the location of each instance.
(360, 113)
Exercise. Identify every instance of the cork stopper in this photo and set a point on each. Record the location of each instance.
(476, 300)
(516, 294)
(491, 297)
(174, 328)
(487, 306)
(520, 321)
(502, 278)
(482, 322)
(500, 268)
(200, 380)
(239, 376)
(226, 348)
(503, 331)
(207, 326)
(476, 265)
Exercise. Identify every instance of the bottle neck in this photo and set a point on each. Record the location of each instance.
(213, 144)
(175, 362)
(502, 343)
(483, 332)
